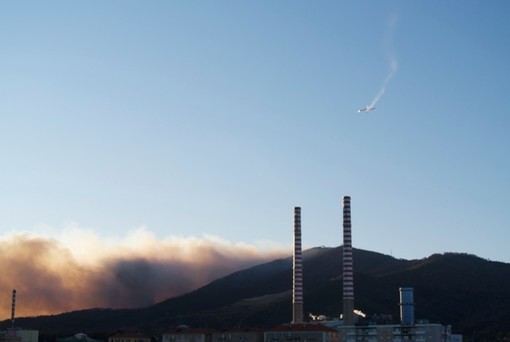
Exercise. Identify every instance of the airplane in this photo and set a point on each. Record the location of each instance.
(366, 109)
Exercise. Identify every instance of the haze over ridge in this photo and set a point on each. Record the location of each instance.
(80, 270)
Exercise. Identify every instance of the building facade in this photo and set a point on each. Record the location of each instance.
(397, 333)
(186, 334)
(239, 335)
(20, 335)
(129, 337)
(301, 333)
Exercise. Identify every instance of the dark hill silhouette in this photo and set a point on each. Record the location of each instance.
(470, 293)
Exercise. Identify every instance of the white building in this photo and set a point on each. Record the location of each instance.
(397, 333)
(301, 333)
(20, 335)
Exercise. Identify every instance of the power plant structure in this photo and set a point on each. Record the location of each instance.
(351, 327)
(17, 334)
(348, 274)
(297, 271)
(13, 306)
(406, 305)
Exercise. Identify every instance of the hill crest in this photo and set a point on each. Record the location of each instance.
(470, 293)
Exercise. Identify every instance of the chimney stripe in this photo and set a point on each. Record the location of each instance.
(13, 306)
(297, 271)
(348, 269)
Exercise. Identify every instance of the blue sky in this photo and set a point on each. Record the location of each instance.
(194, 118)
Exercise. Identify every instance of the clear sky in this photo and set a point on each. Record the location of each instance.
(216, 118)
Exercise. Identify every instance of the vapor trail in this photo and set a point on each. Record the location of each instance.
(393, 69)
(390, 55)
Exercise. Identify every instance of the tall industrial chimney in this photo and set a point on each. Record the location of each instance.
(348, 278)
(13, 307)
(406, 306)
(297, 268)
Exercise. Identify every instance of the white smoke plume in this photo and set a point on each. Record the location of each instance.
(390, 55)
(360, 313)
(80, 270)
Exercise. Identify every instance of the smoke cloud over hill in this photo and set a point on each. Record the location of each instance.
(80, 270)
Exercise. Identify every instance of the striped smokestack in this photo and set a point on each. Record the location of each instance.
(348, 278)
(13, 307)
(297, 274)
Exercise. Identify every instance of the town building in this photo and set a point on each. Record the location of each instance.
(20, 335)
(129, 337)
(396, 333)
(79, 337)
(186, 334)
(239, 335)
(301, 333)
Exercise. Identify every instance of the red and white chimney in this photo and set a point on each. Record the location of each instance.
(297, 271)
(13, 306)
(348, 277)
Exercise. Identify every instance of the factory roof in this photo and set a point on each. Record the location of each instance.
(129, 335)
(186, 330)
(303, 327)
(80, 337)
(241, 330)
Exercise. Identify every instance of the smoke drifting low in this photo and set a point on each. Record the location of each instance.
(79, 270)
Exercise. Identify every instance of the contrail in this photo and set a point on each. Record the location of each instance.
(392, 23)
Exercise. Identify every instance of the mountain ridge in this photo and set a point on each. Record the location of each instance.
(468, 292)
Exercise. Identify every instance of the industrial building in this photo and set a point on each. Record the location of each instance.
(17, 334)
(239, 335)
(186, 334)
(351, 330)
(129, 337)
(80, 337)
(408, 329)
(281, 333)
(396, 333)
(301, 332)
